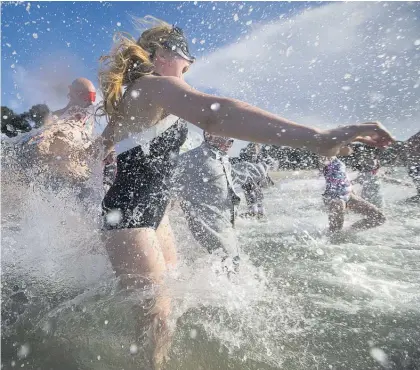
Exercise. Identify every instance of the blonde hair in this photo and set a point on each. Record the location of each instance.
(130, 60)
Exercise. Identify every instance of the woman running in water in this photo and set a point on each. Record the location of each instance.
(339, 196)
(151, 69)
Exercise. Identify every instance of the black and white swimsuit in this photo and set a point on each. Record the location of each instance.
(141, 190)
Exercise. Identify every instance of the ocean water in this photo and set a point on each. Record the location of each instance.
(299, 301)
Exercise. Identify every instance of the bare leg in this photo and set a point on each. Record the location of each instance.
(336, 208)
(137, 251)
(167, 242)
(374, 216)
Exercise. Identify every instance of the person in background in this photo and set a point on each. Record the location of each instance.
(204, 184)
(56, 154)
(339, 196)
(407, 154)
(251, 173)
(367, 161)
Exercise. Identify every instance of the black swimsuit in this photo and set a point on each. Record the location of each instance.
(141, 190)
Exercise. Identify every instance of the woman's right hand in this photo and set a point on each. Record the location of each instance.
(375, 134)
(369, 133)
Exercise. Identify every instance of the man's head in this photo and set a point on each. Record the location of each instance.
(220, 142)
(82, 92)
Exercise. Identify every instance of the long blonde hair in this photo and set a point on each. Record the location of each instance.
(129, 60)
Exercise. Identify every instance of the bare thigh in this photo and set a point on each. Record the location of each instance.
(166, 239)
(374, 216)
(135, 251)
(363, 207)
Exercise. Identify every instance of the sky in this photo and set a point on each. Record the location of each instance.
(318, 63)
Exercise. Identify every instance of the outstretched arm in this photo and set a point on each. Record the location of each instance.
(233, 118)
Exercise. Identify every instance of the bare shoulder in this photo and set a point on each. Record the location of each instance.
(138, 102)
(150, 96)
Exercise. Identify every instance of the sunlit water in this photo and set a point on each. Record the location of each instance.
(299, 301)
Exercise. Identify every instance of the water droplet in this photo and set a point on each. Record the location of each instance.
(379, 355)
(98, 357)
(215, 106)
(346, 88)
(235, 17)
(193, 333)
(417, 42)
(119, 24)
(35, 35)
(194, 40)
(113, 217)
(320, 252)
(248, 23)
(133, 349)
(24, 351)
(106, 322)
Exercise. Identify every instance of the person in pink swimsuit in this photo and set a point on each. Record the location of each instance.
(339, 196)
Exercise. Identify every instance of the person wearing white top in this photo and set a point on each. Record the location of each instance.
(203, 182)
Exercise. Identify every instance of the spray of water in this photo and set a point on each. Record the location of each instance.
(298, 302)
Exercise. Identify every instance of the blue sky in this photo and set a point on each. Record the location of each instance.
(78, 33)
(322, 64)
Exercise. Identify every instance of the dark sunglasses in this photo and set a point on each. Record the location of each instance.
(177, 42)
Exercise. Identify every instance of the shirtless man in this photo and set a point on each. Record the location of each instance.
(58, 150)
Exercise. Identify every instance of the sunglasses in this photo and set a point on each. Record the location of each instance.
(90, 97)
(177, 42)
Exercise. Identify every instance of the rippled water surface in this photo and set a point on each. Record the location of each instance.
(299, 302)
